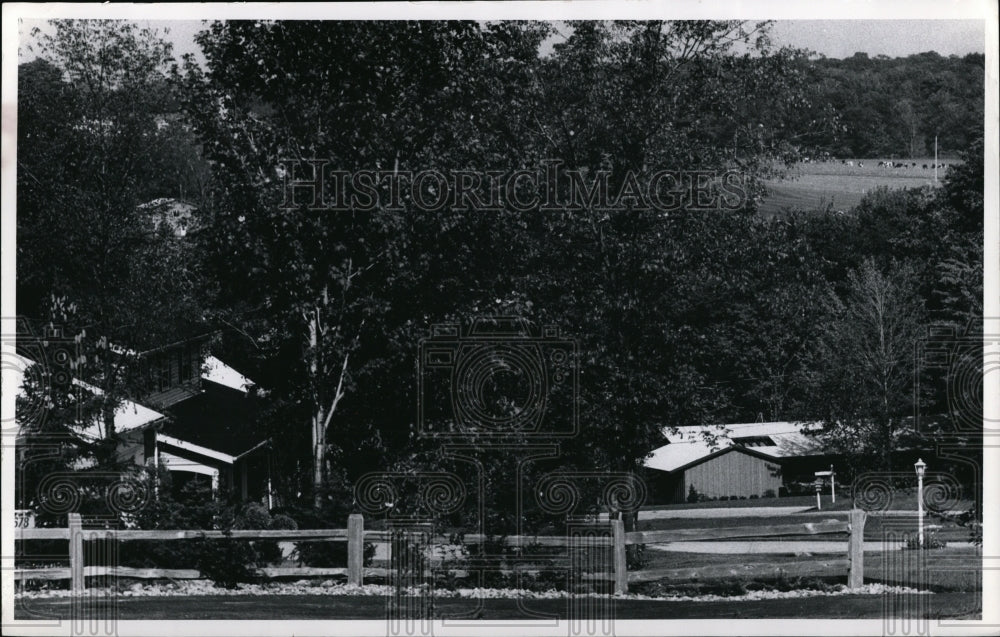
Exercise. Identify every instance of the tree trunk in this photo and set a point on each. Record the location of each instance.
(319, 457)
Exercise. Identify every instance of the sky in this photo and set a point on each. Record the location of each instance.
(832, 38)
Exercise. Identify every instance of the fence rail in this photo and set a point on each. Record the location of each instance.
(356, 537)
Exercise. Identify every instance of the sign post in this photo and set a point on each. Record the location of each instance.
(819, 485)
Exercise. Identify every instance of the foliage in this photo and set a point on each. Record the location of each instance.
(679, 318)
(92, 136)
(894, 107)
(862, 364)
(227, 562)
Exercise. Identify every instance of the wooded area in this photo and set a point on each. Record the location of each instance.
(683, 318)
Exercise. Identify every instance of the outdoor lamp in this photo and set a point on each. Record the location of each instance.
(920, 466)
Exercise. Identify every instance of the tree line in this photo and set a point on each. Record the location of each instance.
(895, 107)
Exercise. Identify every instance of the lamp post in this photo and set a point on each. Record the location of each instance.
(920, 466)
(833, 492)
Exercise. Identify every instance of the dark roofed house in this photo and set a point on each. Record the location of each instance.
(213, 433)
(198, 418)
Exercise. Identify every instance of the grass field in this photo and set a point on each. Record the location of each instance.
(876, 527)
(940, 570)
(284, 607)
(833, 185)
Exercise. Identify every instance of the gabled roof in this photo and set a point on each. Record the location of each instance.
(770, 440)
(128, 416)
(218, 372)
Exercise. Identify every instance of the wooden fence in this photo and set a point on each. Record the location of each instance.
(356, 537)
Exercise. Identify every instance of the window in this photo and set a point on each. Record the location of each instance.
(755, 441)
(163, 373)
(185, 362)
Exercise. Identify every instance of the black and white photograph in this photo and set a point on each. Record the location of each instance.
(548, 318)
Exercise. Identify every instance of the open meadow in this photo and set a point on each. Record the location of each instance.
(833, 185)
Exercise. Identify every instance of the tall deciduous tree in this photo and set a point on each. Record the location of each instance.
(90, 144)
(861, 370)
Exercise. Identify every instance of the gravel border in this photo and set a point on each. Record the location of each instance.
(203, 588)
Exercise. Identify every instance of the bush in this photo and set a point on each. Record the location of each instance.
(227, 562)
(693, 495)
(754, 496)
(769, 493)
(931, 541)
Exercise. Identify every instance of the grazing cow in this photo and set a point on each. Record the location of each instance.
(913, 165)
(925, 166)
(861, 164)
(851, 164)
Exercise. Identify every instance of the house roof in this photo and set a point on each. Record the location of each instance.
(776, 440)
(128, 416)
(178, 216)
(218, 372)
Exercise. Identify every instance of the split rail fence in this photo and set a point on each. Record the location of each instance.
(356, 537)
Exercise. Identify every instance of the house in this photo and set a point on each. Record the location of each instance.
(197, 418)
(741, 460)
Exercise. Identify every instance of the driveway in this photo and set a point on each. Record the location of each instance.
(734, 512)
(777, 546)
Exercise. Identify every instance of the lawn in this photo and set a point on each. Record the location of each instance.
(939, 570)
(821, 185)
(876, 527)
(284, 607)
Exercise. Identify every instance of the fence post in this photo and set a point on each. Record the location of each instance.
(855, 549)
(618, 556)
(355, 548)
(77, 583)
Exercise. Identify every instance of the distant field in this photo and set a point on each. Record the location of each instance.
(819, 185)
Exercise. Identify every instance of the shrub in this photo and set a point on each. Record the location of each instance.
(226, 561)
(693, 495)
(931, 541)
(769, 493)
(754, 496)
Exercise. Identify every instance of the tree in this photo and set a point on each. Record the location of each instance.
(321, 285)
(861, 368)
(91, 141)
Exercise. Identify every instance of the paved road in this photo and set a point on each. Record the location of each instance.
(735, 512)
(751, 512)
(777, 546)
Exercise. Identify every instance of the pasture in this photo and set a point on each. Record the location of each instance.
(832, 185)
